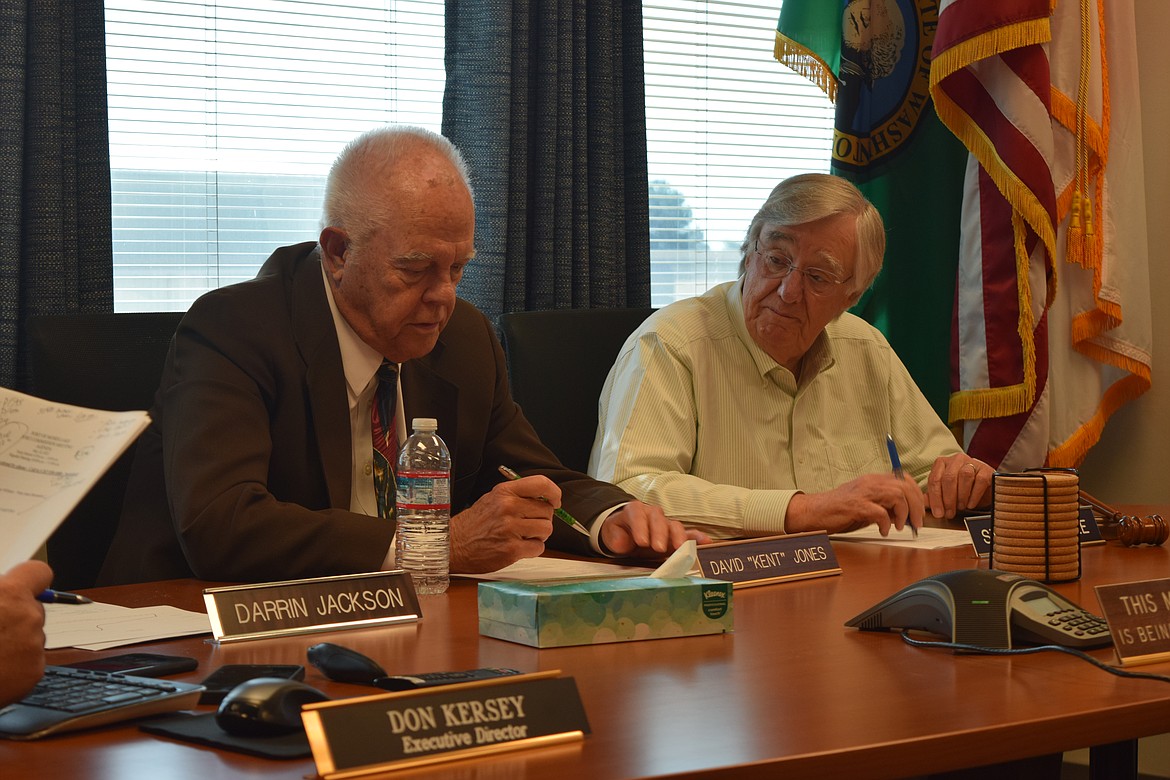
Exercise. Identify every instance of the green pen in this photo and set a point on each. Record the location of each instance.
(560, 513)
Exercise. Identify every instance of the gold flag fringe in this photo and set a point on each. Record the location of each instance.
(805, 63)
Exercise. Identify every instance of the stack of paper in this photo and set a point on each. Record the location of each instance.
(101, 626)
(51, 454)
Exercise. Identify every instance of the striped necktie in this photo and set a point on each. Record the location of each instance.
(385, 435)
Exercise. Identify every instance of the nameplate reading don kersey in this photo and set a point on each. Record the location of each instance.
(319, 604)
(1138, 614)
(370, 734)
(769, 559)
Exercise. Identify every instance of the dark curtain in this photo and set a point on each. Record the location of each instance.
(55, 236)
(546, 100)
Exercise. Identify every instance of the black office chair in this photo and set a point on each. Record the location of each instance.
(103, 361)
(557, 364)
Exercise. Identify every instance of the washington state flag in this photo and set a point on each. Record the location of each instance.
(872, 58)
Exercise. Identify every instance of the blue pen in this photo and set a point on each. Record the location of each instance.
(50, 596)
(896, 463)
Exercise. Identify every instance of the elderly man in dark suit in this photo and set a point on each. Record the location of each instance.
(257, 465)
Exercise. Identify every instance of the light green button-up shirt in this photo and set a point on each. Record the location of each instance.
(697, 419)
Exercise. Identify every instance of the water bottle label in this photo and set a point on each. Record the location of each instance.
(424, 490)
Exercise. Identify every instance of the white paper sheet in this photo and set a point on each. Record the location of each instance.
(100, 626)
(50, 456)
(928, 538)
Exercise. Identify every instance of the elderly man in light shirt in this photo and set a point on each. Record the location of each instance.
(762, 407)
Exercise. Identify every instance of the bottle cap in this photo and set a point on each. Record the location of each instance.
(425, 424)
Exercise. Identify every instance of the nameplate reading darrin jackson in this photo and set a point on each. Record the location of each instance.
(359, 736)
(769, 559)
(319, 604)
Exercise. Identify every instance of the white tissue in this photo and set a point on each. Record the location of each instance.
(682, 562)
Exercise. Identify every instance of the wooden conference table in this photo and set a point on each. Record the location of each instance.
(790, 693)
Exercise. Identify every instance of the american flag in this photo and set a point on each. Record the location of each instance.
(1052, 317)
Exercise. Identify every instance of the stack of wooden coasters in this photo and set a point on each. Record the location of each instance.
(1035, 525)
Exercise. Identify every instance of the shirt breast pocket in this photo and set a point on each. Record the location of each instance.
(852, 459)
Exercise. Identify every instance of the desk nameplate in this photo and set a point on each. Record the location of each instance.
(1088, 531)
(1138, 614)
(980, 528)
(372, 734)
(271, 609)
(769, 559)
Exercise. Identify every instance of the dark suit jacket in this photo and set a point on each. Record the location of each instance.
(244, 473)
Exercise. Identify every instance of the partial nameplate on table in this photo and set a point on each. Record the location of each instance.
(271, 609)
(769, 559)
(980, 528)
(371, 734)
(1138, 614)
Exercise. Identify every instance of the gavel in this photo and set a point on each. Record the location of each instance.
(1130, 530)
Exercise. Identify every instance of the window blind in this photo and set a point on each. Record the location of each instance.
(725, 123)
(225, 115)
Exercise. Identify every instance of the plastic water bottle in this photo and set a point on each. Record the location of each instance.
(423, 542)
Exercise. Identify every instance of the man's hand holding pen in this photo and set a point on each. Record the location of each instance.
(634, 529)
(896, 466)
(510, 522)
(558, 512)
(879, 499)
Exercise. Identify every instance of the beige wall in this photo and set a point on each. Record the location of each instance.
(1131, 463)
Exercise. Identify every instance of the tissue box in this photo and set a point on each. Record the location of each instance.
(597, 611)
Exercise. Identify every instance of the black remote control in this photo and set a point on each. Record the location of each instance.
(410, 682)
(344, 665)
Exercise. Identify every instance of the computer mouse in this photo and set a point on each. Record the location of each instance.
(265, 707)
(341, 664)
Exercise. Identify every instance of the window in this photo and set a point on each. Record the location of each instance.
(225, 115)
(725, 123)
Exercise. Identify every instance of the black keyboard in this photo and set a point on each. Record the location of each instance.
(67, 699)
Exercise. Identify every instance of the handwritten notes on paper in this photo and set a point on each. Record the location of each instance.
(51, 454)
(101, 626)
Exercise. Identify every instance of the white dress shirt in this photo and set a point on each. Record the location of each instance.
(360, 362)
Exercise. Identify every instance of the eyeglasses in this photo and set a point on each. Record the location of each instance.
(818, 281)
